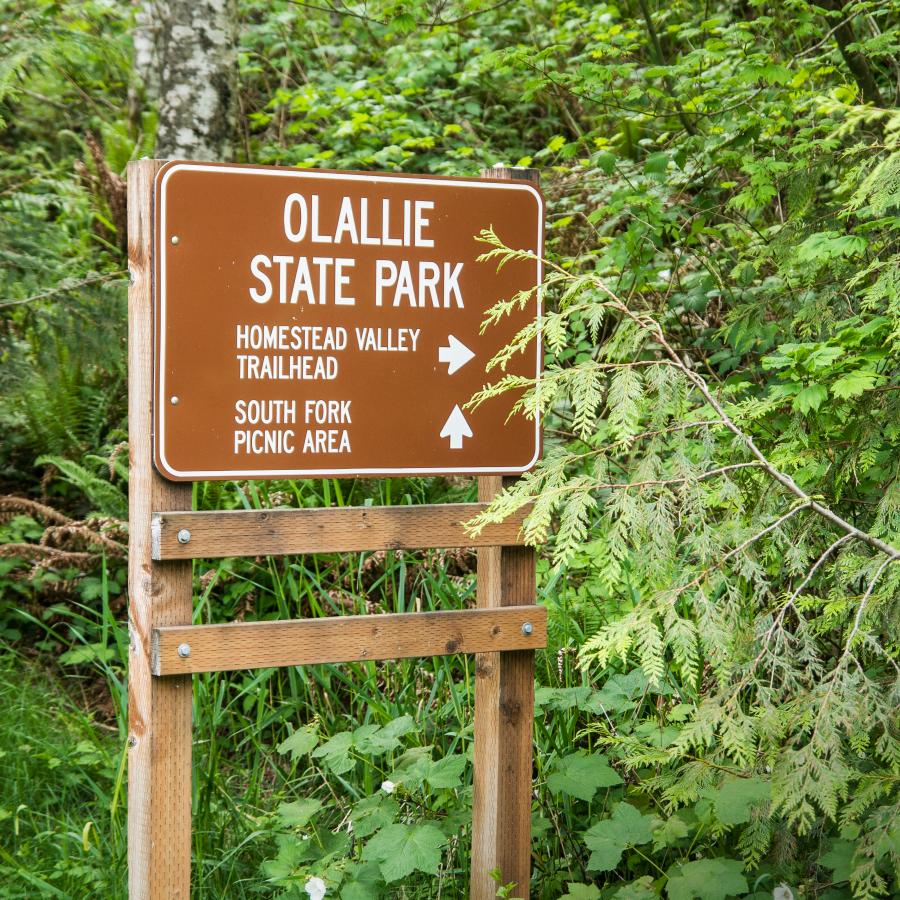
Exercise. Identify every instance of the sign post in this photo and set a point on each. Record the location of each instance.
(504, 715)
(159, 710)
(285, 324)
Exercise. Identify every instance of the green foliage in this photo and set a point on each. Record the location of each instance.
(580, 775)
(707, 879)
(62, 824)
(400, 850)
(609, 838)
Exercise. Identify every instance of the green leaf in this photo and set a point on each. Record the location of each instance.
(413, 767)
(359, 890)
(87, 653)
(336, 753)
(735, 798)
(447, 772)
(609, 838)
(400, 850)
(810, 398)
(299, 743)
(706, 879)
(582, 891)
(620, 693)
(373, 813)
(372, 739)
(606, 162)
(298, 813)
(642, 889)
(402, 22)
(839, 859)
(670, 832)
(556, 143)
(656, 163)
(823, 357)
(824, 246)
(363, 882)
(562, 699)
(580, 775)
(853, 384)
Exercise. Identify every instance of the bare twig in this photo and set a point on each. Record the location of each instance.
(64, 288)
(742, 546)
(776, 624)
(434, 23)
(864, 603)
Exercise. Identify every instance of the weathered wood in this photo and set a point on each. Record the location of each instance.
(159, 710)
(303, 642)
(504, 712)
(346, 530)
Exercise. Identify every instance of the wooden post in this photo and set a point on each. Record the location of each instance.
(159, 709)
(504, 712)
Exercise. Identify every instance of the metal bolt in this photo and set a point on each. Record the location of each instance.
(184, 536)
(173, 401)
(184, 650)
(174, 238)
(527, 628)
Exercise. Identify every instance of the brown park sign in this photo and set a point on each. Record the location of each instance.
(312, 323)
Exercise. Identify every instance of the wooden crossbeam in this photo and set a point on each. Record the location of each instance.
(276, 532)
(182, 649)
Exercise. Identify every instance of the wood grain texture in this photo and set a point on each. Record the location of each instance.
(159, 710)
(504, 714)
(346, 530)
(258, 645)
(504, 710)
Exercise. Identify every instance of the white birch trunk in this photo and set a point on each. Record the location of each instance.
(189, 49)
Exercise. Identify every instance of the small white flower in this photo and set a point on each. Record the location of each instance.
(782, 892)
(315, 887)
(388, 787)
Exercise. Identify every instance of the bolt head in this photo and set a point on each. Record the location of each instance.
(173, 401)
(184, 536)
(184, 650)
(174, 238)
(527, 628)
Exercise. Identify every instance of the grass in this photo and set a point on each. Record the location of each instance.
(62, 821)
(62, 793)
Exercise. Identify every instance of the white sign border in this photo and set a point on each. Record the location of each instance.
(161, 247)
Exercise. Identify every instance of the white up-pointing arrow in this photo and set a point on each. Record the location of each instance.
(456, 428)
(456, 353)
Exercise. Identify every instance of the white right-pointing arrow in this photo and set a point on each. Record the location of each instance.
(456, 428)
(456, 353)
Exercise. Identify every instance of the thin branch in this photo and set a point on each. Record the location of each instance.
(742, 546)
(64, 288)
(712, 473)
(818, 563)
(434, 23)
(785, 480)
(776, 624)
(661, 60)
(864, 603)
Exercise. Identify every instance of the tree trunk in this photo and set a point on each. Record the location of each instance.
(856, 60)
(195, 53)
